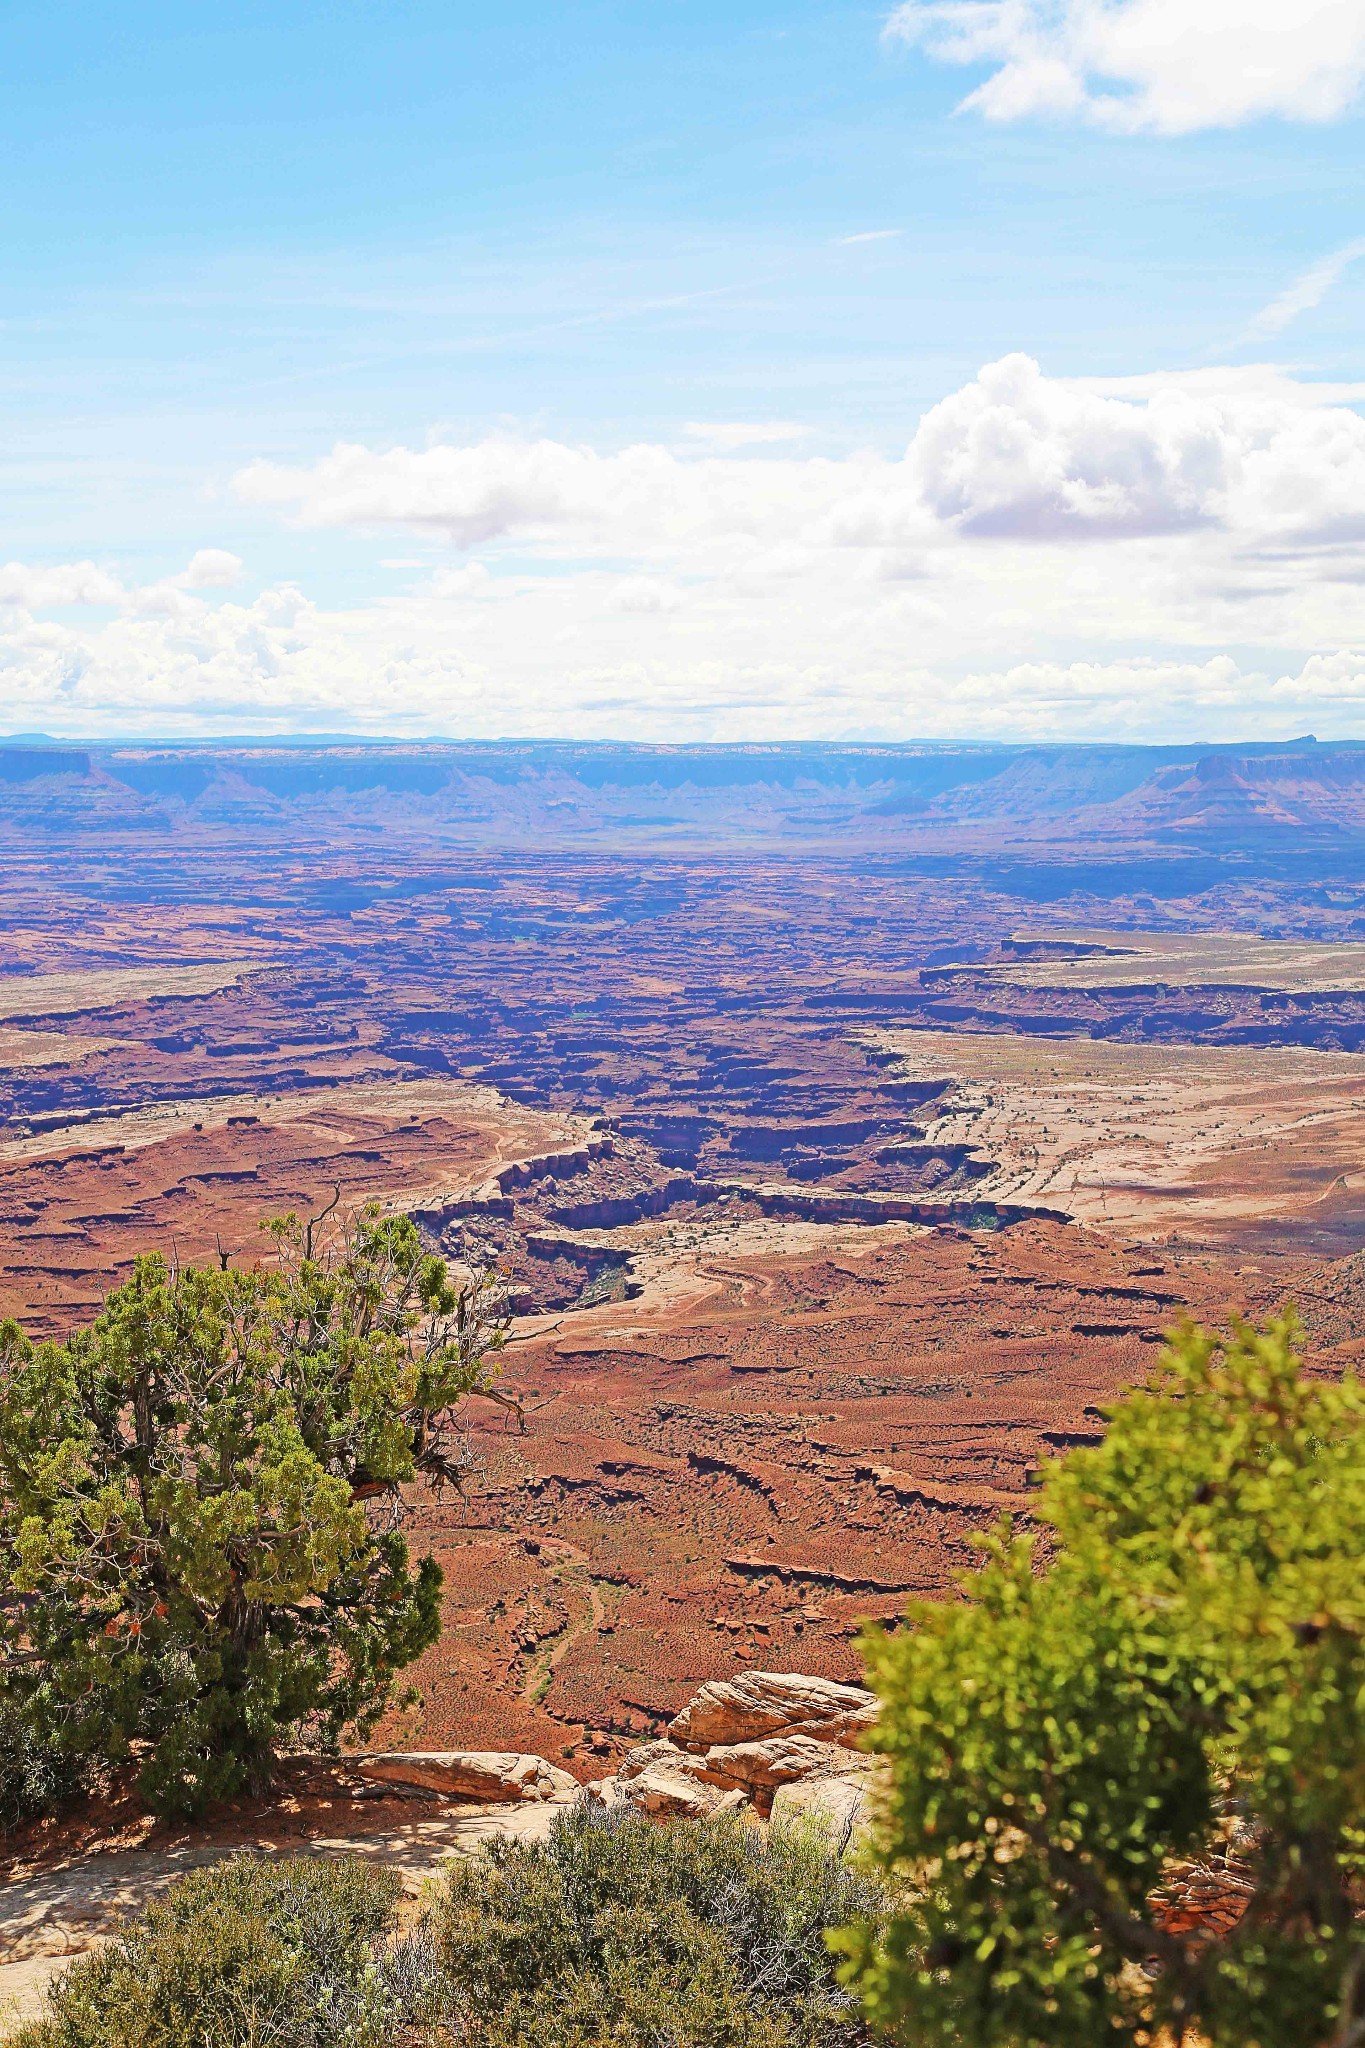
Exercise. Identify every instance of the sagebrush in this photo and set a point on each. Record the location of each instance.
(291, 1953)
(626, 1931)
(617, 1932)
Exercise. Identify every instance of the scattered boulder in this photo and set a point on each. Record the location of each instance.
(490, 1775)
(608, 1792)
(739, 1744)
(758, 1704)
(661, 1778)
(646, 1755)
(777, 1761)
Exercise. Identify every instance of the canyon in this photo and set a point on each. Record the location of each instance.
(847, 1125)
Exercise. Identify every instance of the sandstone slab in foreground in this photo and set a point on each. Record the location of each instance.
(493, 1775)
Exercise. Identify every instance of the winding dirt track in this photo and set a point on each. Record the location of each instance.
(543, 1668)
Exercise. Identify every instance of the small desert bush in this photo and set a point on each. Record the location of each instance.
(615, 1933)
(621, 1931)
(289, 1953)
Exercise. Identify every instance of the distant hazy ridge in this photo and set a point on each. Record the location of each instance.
(923, 799)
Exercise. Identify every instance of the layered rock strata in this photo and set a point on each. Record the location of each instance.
(758, 1704)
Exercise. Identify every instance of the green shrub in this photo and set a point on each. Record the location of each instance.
(1188, 1675)
(621, 1931)
(249, 1953)
(35, 1777)
(616, 1933)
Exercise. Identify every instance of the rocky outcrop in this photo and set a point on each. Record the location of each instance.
(758, 1704)
(759, 1770)
(933, 1493)
(664, 1781)
(494, 1197)
(610, 1212)
(764, 1567)
(799, 1733)
(840, 1206)
(493, 1776)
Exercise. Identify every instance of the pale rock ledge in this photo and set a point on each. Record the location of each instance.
(494, 1776)
(758, 1704)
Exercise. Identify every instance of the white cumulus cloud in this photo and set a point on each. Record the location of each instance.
(1017, 453)
(992, 577)
(1013, 454)
(35, 587)
(40, 587)
(1167, 67)
(644, 497)
(211, 569)
(475, 494)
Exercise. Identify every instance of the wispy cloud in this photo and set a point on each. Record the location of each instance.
(1308, 290)
(869, 235)
(1163, 67)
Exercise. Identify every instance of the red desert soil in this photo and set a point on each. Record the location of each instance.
(741, 1473)
(310, 1799)
(200, 1174)
(793, 1427)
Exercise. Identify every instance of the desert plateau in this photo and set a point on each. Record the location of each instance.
(836, 1183)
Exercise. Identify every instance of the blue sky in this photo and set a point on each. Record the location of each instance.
(757, 244)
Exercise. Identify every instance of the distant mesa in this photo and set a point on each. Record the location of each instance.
(925, 799)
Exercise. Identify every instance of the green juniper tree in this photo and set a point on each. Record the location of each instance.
(1183, 1680)
(201, 1547)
